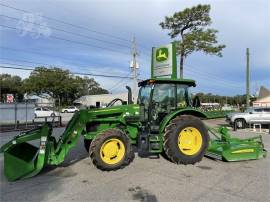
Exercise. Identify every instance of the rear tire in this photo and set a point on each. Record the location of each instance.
(111, 150)
(186, 140)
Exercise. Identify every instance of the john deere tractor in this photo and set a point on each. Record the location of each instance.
(163, 121)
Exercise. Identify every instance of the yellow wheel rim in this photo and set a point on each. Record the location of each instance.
(112, 151)
(190, 141)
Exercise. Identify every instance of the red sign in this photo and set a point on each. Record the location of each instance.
(10, 98)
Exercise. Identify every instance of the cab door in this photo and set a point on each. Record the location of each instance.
(163, 102)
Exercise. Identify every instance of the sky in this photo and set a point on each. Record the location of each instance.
(94, 36)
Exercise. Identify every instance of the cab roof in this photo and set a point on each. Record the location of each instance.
(188, 82)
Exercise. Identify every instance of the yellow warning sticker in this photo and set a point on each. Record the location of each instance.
(243, 151)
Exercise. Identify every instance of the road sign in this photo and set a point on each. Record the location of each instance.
(10, 98)
(164, 62)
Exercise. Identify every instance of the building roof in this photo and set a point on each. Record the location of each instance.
(264, 92)
(263, 100)
(188, 82)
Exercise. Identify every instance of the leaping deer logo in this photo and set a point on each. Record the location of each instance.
(162, 54)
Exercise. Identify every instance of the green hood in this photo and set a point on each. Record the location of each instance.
(132, 109)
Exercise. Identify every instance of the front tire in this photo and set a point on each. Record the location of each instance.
(111, 150)
(186, 140)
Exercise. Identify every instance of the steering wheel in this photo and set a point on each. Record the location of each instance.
(111, 103)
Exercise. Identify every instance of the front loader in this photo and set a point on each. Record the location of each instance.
(164, 120)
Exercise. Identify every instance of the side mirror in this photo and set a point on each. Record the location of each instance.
(196, 103)
(250, 112)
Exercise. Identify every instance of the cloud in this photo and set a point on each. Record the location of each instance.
(241, 24)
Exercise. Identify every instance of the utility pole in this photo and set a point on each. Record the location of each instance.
(134, 66)
(247, 79)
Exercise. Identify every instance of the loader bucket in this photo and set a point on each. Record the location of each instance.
(22, 159)
(226, 148)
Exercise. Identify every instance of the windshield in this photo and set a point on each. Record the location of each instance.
(144, 95)
(171, 96)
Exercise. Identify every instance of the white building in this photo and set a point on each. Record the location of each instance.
(263, 99)
(262, 102)
(100, 100)
(40, 101)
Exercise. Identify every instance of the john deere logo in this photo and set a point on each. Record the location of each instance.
(162, 54)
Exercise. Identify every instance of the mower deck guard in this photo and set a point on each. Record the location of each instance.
(22, 159)
(234, 149)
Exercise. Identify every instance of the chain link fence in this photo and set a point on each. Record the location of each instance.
(21, 116)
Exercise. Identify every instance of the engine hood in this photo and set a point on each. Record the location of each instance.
(132, 109)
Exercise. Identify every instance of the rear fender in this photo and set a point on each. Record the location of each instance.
(187, 111)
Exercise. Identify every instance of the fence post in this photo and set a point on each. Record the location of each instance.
(60, 120)
(15, 108)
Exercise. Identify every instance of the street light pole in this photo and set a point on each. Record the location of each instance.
(134, 67)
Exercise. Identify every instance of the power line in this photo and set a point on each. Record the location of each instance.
(78, 26)
(78, 73)
(67, 40)
(67, 23)
(68, 32)
(207, 75)
(26, 61)
(214, 82)
(117, 84)
(44, 64)
(42, 54)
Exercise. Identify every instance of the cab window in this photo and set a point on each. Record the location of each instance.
(183, 96)
(164, 96)
(144, 95)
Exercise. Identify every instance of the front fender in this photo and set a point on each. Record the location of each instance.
(186, 111)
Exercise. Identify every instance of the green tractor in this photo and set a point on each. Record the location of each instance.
(165, 120)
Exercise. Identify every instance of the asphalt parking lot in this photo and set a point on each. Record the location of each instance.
(145, 179)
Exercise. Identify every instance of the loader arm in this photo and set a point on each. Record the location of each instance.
(67, 140)
(22, 159)
(26, 136)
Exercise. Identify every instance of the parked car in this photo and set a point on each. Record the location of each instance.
(70, 109)
(45, 112)
(260, 115)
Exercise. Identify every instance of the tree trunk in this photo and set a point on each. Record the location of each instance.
(182, 54)
(181, 64)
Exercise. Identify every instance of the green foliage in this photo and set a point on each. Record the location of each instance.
(190, 24)
(60, 84)
(10, 85)
(93, 88)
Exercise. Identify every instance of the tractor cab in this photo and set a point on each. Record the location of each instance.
(160, 97)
